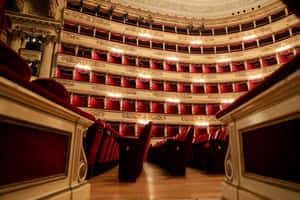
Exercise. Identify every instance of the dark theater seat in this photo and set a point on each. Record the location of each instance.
(94, 139)
(132, 152)
(208, 150)
(173, 154)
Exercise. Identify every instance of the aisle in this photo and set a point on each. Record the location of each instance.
(155, 184)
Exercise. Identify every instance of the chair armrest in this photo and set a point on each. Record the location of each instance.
(127, 144)
(130, 160)
(176, 157)
(175, 144)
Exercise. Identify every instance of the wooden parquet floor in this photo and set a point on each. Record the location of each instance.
(155, 183)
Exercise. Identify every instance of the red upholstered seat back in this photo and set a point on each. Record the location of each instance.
(128, 129)
(202, 138)
(54, 87)
(112, 130)
(172, 130)
(145, 139)
(188, 141)
(94, 137)
(11, 59)
(157, 130)
(182, 136)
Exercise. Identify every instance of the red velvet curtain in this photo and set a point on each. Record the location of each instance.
(97, 102)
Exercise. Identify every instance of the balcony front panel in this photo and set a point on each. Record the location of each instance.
(133, 117)
(139, 94)
(129, 71)
(116, 27)
(266, 10)
(77, 39)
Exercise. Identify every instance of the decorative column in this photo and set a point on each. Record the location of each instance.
(46, 62)
(16, 40)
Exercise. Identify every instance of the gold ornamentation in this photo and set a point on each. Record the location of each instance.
(82, 169)
(228, 166)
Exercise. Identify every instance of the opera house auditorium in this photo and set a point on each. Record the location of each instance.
(149, 99)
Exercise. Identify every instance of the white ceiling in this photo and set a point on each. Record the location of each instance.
(194, 8)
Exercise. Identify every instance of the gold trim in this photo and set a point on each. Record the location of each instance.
(269, 180)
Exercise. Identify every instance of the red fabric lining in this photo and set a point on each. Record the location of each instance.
(128, 130)
(157, 107)
(172, 131)
(199, 109)
(54, 87)
(96, 102)
(29, 153)
(158, 130)
(112, 104)
(128, 105)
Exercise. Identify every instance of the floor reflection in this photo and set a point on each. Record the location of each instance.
(155, 183)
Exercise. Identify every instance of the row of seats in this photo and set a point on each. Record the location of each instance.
(150, 24)
(116, 58)
(101, 147)
(129, 105)
(208, 151)
(155, 85)
(173, 154)
(183, 48)
(133, 153)
(160, 130)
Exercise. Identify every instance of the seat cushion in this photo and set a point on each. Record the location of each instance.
(54, 87)
(14, 62)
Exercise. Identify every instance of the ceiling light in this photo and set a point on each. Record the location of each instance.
(145, 35)
(224, 60)
(196, 42)
(173, 100)
(283, 48)
(145, 76)
(249, 37)
(202, 124)
(117, 50)
(84, 67)
(114, 95)
(255, 77)
(143, 121)
(227, 100)
(200, 80)
(172, 58)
